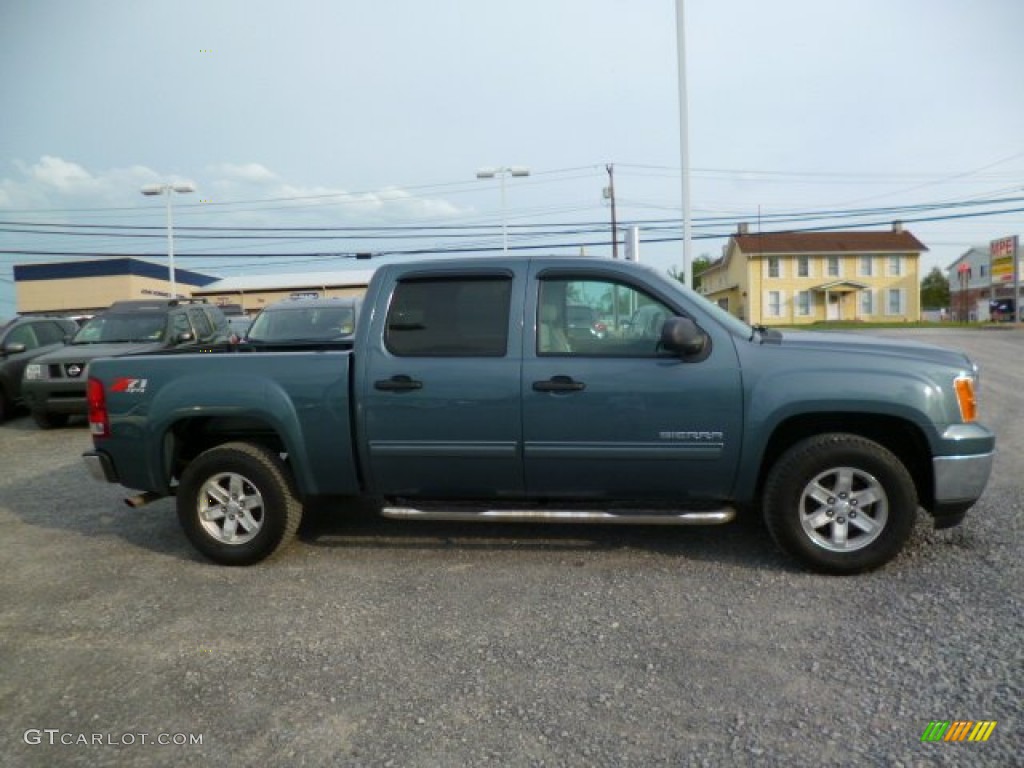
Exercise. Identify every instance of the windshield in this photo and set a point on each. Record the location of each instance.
(121, 328)
(303, 324)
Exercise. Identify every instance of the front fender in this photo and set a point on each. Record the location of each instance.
(838, 394)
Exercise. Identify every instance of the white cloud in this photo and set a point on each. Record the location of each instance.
(54, 183)
(245, 172)
(60, 174)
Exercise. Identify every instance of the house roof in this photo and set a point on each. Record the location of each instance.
(828, 242)
(836, 285)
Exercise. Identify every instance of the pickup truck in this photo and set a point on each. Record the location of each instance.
(462, 397)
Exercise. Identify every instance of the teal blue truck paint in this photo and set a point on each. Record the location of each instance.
(302, 397)
(450, 393)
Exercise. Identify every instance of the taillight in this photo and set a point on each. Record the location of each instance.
(99, 419)
(965, 397)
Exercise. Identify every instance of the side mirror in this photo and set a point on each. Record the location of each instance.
(682, 336)
(13, 348)
(184, 336)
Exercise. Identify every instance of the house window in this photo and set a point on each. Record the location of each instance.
(774, 303)
(865, 266)
(774, 270)
(981, 271)
(895, 306)
(895, 266)
(867, 302)
(803, 303)
(833, 266)
(803, 266)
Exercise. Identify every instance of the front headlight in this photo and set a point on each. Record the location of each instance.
(33, 371)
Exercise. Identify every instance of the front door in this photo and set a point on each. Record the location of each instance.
(441, 406)
(832, 305)
(611, 416)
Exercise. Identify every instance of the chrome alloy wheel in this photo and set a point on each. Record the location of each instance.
(843, 509)
(230, 508)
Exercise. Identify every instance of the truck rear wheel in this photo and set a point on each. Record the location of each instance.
(840, 503)
(236, 504)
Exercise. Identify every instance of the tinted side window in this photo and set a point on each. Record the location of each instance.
(449, 317)
(49, 332)
(218, 320)
(179, 325)
(23, 334)
(201, 323)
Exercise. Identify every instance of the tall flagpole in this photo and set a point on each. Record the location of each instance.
(684, 141)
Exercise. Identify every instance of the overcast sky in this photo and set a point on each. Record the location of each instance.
(337, 113)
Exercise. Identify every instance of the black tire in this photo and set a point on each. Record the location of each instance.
(840, 503)
(48, 420)
(236, 504)
(6, 406)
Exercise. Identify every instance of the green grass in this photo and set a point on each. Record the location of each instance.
(863, 326)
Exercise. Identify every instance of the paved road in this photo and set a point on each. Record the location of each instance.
(395, 644)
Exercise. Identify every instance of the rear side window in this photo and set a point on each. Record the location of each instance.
(201, 322)
(51, 332)
(449, 317)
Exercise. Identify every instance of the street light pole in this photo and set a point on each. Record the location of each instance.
(167, 189)
(501, 173)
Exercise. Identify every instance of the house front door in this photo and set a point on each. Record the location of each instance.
(832, 303)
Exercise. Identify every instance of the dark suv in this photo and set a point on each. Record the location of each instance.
(54, 384)
(23, 339)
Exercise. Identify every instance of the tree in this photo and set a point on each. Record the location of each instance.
(934, 290)
(701, 263)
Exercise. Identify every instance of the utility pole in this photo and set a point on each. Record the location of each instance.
(609, 193)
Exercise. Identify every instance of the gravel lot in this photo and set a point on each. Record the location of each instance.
(423, 644)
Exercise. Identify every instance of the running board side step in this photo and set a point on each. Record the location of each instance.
(622, 517)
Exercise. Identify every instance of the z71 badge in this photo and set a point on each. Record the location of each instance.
(129, 386)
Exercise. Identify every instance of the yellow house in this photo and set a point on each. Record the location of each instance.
(792, 278)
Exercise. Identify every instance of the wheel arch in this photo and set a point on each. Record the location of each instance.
(188, 437)
(900, 436)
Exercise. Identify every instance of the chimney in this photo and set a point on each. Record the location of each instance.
(742, 228)
(897, 226)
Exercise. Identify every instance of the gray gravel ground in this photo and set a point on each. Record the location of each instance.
(376, 643)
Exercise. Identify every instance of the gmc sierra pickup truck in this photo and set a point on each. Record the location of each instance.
(463, 395)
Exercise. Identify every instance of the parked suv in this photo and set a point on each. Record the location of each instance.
(23, 339)
(54, 384)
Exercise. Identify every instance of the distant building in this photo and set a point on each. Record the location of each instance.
(793, 278)
(973, 296)
(86, 287)
(254, 292)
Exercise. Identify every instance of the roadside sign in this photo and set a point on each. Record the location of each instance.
(1003, 254)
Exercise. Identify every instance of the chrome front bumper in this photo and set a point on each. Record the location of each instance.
(961, 478)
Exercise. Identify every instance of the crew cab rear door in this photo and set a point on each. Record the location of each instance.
(606, 413)
(439, 389)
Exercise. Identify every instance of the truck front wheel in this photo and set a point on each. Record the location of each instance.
(840, 503)
(236, 504)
